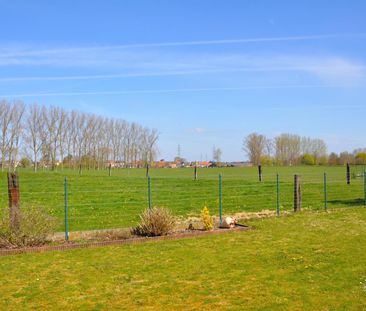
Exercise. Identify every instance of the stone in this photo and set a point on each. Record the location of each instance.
(228, 223)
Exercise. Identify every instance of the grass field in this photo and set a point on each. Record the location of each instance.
(309, 261)
(98, 201)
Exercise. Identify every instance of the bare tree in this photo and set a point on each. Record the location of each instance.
(288, 149)
(51, 133)
(216, 155)
(5, 121)
(255, 145)
(34, 132)
(12, 133)
(315, 147)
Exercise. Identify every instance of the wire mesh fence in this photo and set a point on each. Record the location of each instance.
(101, 202)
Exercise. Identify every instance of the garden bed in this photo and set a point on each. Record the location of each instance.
(79, 244)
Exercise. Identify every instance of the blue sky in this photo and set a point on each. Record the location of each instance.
(203, 72)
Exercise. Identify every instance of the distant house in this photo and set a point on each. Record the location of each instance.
(204, 164)
(116, 164)
(201, 164)
(160, 164)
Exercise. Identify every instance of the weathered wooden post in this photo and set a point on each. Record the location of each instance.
(147, 170)
(260, 172)
(195, 172)
(110, 169)
(348, 174)
(297, 194)
(14, 200)
(80, 169)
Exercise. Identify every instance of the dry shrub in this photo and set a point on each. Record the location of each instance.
(35, 228)
(155, 222)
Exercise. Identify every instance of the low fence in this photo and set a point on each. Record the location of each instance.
(101, 202)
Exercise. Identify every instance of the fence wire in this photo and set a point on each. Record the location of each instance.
(103, 202)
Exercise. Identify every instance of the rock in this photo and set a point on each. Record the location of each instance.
(228, 223)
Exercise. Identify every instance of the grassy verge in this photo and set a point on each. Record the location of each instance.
(310, 261)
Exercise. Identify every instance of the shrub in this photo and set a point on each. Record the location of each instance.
(361, 158)
(155, 222)
(24, 162)
(35, 228)
(266, 160)
(308, 159)
(207, 220)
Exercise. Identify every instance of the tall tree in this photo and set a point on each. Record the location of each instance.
(255, 145)
(288, 149)
(217, 154)
(34, 133)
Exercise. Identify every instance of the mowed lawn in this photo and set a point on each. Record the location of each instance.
(99, 201)
(310, 261)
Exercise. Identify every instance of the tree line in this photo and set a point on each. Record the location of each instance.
(291, 149)
(52, 136)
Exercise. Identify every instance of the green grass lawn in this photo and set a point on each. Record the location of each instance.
(310, 261)
(97, 201)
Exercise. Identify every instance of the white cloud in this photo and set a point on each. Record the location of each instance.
(197, 130)
(116, 62)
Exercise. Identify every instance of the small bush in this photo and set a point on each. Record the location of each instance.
(308, 159)
(35, 228)
(155, 222)
(207, 220)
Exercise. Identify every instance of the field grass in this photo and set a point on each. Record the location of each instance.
(98, 201)
(309, 261)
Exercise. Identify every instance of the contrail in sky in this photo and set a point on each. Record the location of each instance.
(165, 91)
(185, 43)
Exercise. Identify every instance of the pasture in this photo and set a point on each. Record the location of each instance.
(308, 261)
(99, 201)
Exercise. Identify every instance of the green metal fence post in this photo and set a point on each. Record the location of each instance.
(149, 190)
(66, 209)
(278, 194)
(325, 192)
(220, 197)
(364, 186)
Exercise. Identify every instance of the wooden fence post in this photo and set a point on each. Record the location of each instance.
(260, 172)
(14, 200)
(297, 194)
(195, 172)
(348, 174)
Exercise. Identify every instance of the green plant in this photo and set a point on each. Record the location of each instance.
(308, 159)
(36, 226)
(266, 160)
(155, 222)
(207, 220)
